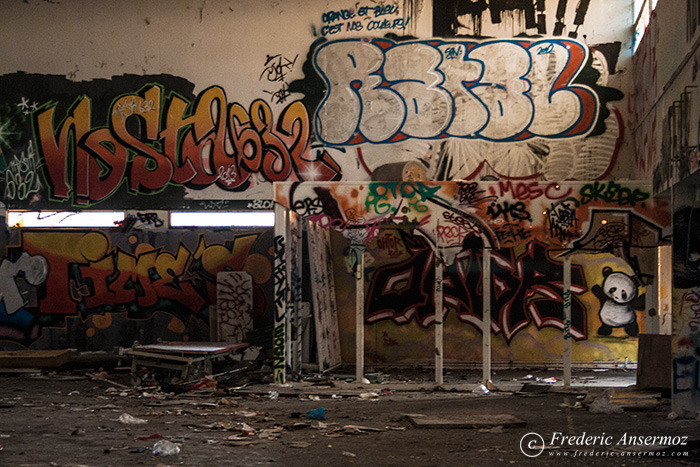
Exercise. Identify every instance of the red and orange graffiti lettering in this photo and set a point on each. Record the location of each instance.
(208, 142)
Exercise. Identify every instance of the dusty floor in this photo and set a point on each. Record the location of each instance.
(71, 418)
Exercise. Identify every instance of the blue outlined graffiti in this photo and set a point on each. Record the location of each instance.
(499, 90)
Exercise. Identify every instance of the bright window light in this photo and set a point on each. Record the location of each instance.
(64, 218)
(222, 219)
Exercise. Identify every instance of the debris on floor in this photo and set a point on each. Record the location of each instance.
(465, 420)
(165, 448)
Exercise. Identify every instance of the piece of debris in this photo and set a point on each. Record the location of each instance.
(153, 436)
(602, 405)
(349, 454)
(480, 389)
(166, 448)
(131, 420)
(360, 429)
(635, 400)
(247, 413)
(466, 421)
(271, 433)
(495, 429)
(316, 414)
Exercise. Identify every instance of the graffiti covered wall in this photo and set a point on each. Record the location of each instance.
(686, 311)
(206, 105)
(96, 289)
(529, 225)
(335, 103)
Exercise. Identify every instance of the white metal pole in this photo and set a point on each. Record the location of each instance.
(486, 325)
(567, 320)
(359, 313)
(291, 319)
(281, 290)
(438, 319)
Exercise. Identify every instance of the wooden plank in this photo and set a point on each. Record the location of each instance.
(323, 293)
(34, 358)
(468, 420)
(190, 347)
(234, 306)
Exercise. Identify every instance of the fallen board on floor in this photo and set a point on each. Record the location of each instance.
(467, 420)
(34, 358)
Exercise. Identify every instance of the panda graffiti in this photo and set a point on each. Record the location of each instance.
(618, 302)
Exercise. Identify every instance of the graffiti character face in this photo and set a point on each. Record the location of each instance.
(620, 287)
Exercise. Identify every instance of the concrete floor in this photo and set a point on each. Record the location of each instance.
(81, 417)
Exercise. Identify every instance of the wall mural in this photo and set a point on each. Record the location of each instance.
(530, 116)
(529, 225)
(92, 289)
(133, 140)
(112, 142)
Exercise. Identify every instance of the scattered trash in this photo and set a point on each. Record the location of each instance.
(314, 398)
(74, 393)
(480, 389)
(495, 429)
(274, 395)
(602, 404)
(490, 386)
(527, 377)
(153, 436)
(577, 405)
(672, 416)
(548, 380)
(204, 383)
(246, 429)
(131, 420)
(298, 426)
(365, 381)
(165, 448)
(368, 395)
(336, 396)
(271, 433)
(349, 454)
(386, 392)
(361, 429)
(317, 414)
(246, 413)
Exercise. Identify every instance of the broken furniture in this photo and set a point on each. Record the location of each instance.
(167, 362)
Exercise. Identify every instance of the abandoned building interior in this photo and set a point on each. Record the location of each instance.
(444, 184)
